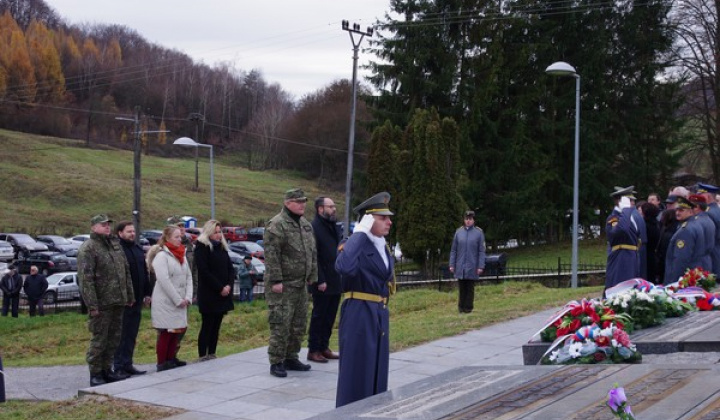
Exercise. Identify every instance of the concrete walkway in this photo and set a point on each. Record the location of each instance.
(240, 386)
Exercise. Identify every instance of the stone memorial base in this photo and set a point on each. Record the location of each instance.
(546, 392)
(694, 332)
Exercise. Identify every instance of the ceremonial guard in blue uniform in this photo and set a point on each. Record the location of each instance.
(639, 223)
(708, 228)
(623, 241)
(713, 210)
(687, 245)
(366, 267)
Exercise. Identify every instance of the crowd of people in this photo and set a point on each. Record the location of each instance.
(659, 240)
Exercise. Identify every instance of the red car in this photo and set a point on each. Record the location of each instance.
(235, 233)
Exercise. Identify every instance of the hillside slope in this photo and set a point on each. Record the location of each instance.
(53, 186)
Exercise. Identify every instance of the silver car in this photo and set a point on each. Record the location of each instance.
(6, 251)
(62, 286)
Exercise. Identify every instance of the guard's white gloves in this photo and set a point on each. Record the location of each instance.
(365, 225)
(624, 203)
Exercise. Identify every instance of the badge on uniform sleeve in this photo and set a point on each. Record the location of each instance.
(681, 244)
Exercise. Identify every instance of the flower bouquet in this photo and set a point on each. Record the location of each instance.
(671, 305)
(641, 306)
(697, 277)
(579, 314)
(593, 345)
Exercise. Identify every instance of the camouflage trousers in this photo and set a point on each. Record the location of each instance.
(287, 316)
(106, 329)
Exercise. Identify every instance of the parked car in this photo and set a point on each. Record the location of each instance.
(22, 243)
(79, 239)
(62, 286)
(258, 267)
(3, 268)
(255, 234)
(194, 233)
(247, 247)
(47, 262)
(6, 251)
(235, 233)
(57, 243)
(72, 258)
(152, 236)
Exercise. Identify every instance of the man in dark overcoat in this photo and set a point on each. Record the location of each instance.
(366, 267)
(326, 292)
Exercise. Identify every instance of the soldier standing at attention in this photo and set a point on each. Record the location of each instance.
(623, 238)
(687, 246)
(467, 260)
(291, 265)
(106, 288)
(367, 272)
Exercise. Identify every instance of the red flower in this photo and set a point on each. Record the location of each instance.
(599, 356)
(606, 324)
(602, 341)
(595, 318)
(558, 323)
(622, 337)
(620, 325)
(576, 311)
(703, 304)
(575, 325)
(562, 331)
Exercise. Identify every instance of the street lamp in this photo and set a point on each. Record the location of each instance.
(188, 142)
(561, 68)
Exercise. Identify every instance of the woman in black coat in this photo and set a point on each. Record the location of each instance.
(216, 276)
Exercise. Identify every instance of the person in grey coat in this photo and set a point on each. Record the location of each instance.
(467, 260)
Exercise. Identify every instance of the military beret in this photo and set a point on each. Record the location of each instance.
(697, 199)
(707, 188)
(175, 220)
(295, 194)
(377, 204)
(100, 218)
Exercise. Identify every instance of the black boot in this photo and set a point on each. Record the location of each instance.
(278, 370)
(111, 376)
(96, 380)
(295, 364)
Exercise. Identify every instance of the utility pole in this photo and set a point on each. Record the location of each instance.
(197, 117)
(351, 141)
(137, 179)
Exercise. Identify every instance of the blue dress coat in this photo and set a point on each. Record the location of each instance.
(714, 213)
(622, 264)
(708, 228)
(364, 325)
(686, 250)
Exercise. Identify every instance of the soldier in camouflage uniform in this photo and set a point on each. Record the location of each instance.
(106, 287)
(291, 264)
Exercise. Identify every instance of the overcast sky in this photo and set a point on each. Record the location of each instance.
(296, 43)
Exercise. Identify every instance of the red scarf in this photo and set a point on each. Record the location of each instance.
(177, 251)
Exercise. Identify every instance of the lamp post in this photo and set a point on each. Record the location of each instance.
(188, 142)
(561, 68)
(351, 140)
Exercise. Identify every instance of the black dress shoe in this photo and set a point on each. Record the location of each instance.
(295, 364)
(96, 380)
(132, 370)
(278, 370)
(178, 362)
(166, 366)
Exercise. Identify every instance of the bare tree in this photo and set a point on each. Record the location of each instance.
(699, 39)
(265, 126)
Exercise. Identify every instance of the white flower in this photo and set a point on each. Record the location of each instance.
(554, 355)
(574, 349)
(623, 304)
(615, 343)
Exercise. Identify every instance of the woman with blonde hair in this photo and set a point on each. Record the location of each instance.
(171, 295)
(216, 276)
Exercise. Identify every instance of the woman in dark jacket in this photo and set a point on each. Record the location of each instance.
(216, 276)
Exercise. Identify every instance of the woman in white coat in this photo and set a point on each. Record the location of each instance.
(171, 296)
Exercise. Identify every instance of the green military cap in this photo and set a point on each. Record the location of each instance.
(175, 220)
(100, 218)
(377, 204)
(684, 203)
(296, 194)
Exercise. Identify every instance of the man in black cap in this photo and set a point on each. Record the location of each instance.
(687, 245)
(10, 284)
(623, 261)
(291, 265)
(467, 260)
(366, 267)
(713, 210)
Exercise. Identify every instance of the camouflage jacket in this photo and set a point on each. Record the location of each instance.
(103, 273)
(290, 253)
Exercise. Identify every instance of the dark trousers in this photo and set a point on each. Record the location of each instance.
(246, 294)
(324, 311)
(209, 332)
(130, 326)
(39, 304)
(466, 295)
(105, 329)
(9, 301)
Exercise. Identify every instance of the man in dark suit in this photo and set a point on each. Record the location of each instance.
(366, 267)
(326, 292)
